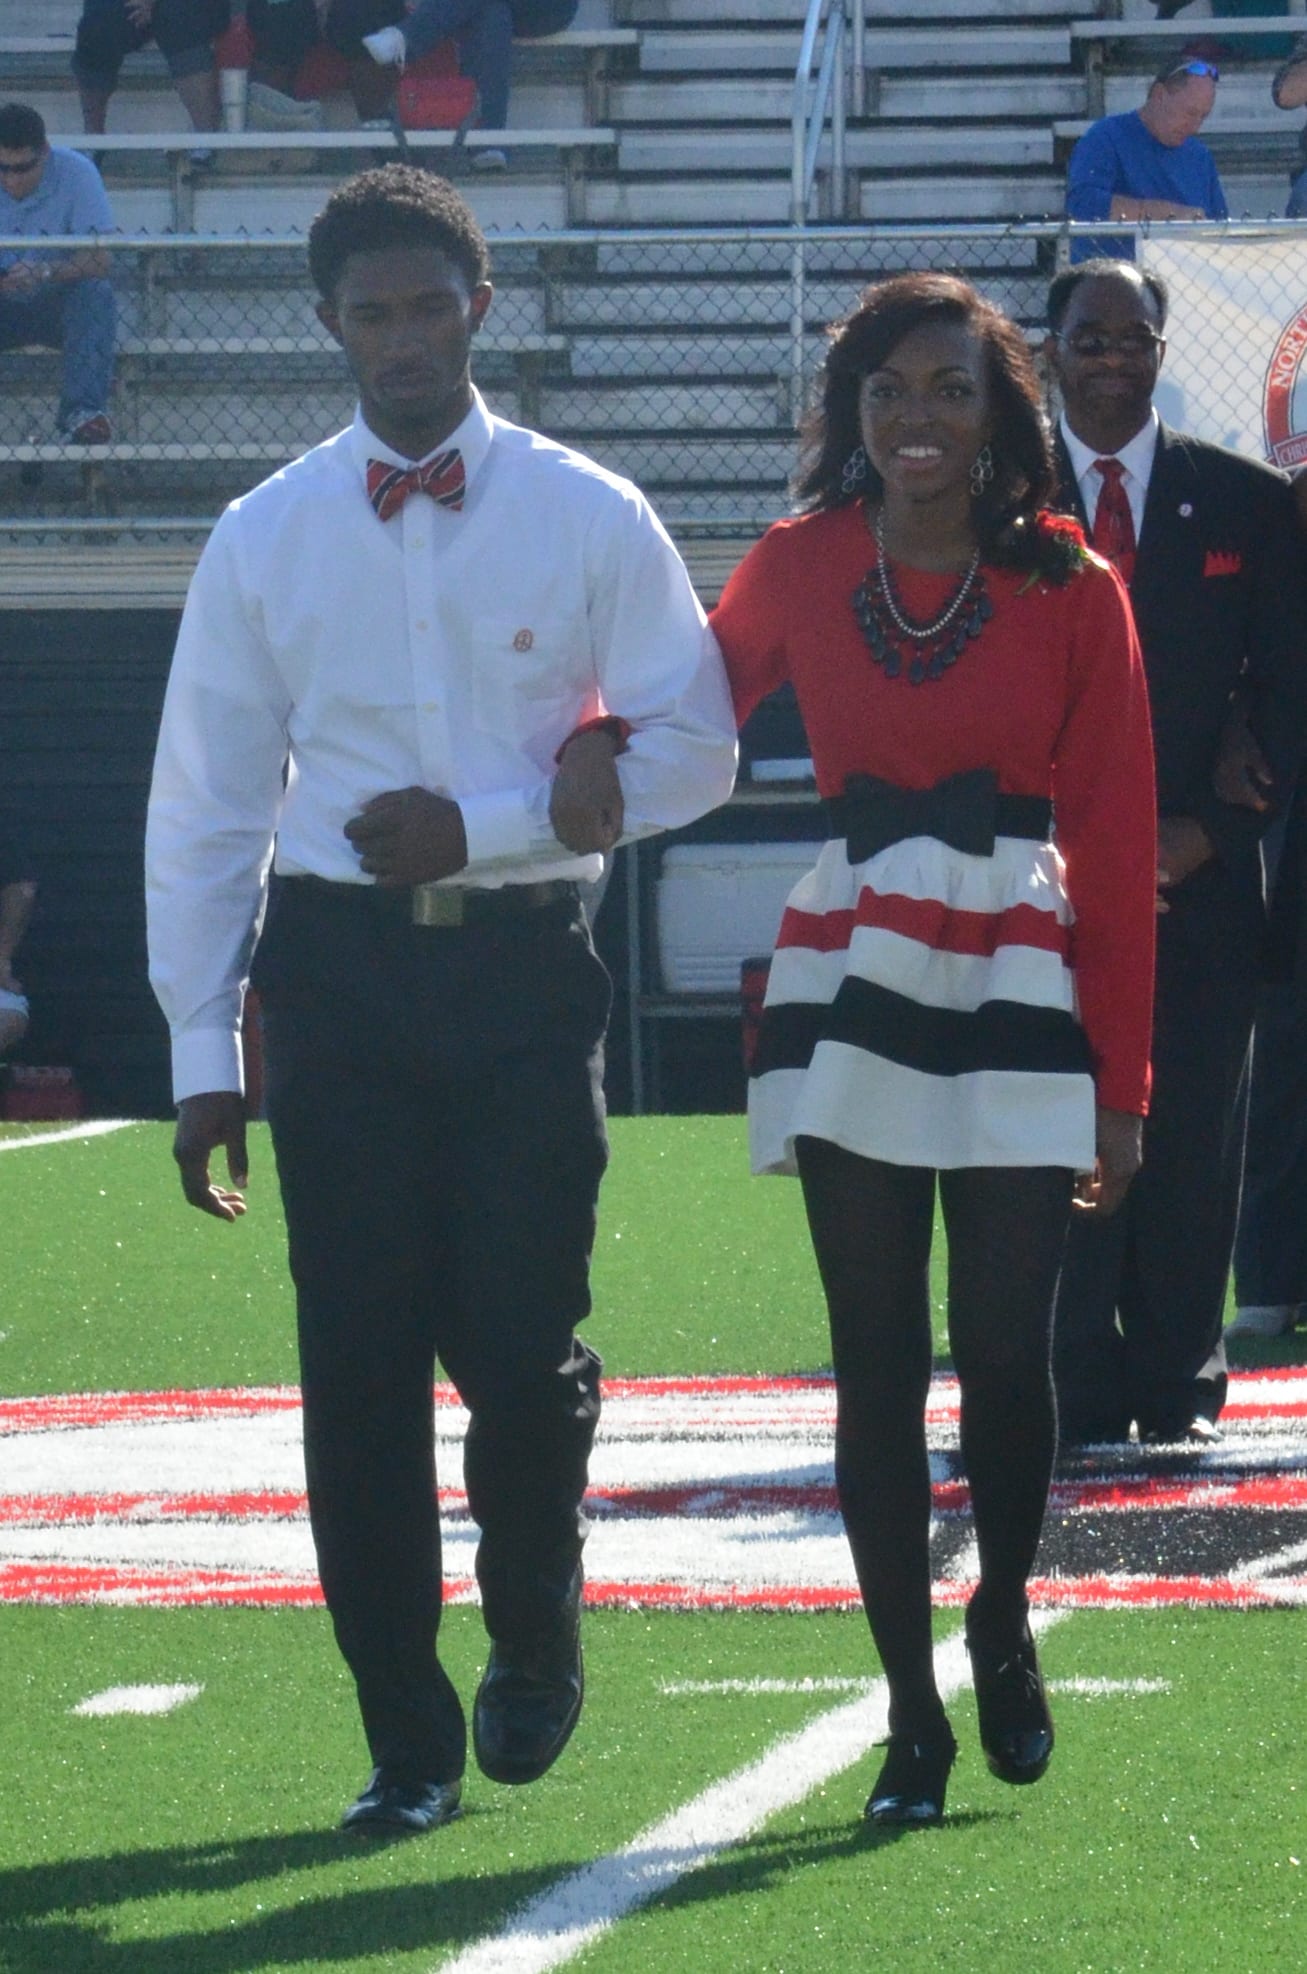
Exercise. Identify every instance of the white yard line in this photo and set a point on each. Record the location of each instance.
(556, 1926)
(95, 1127)
(1082, 1689)
(676, 1689)
(1108, 1689)
(136, 1700)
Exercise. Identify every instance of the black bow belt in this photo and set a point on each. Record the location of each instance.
(965, 811)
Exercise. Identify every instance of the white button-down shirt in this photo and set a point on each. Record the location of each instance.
(326, 656)
(1136, 458)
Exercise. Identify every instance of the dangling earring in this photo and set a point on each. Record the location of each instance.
(855, 470)
(982, 471)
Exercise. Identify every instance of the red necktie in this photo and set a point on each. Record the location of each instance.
(442, 477)
(1114, 524)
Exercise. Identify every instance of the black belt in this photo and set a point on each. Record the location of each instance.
(965, 811)
(447, 906)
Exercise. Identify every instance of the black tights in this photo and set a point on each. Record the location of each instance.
(871, 1227)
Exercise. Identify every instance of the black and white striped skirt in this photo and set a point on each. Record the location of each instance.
(921, 1009)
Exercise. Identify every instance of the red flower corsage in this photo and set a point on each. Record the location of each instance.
(1065, 525)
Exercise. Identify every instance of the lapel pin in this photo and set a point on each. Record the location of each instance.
(1185, 511)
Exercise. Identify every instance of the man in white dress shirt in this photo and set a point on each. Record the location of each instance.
(384, 650)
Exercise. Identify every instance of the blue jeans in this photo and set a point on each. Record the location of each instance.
(79, 318)
(484, 32)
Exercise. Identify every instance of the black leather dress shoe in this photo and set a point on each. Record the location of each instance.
(529, 1700)
(910, 1788)
(1016, 1729)
(388, 1804)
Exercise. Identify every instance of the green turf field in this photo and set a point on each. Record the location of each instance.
(1171, 1831)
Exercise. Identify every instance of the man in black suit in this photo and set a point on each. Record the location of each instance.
(1207, 544)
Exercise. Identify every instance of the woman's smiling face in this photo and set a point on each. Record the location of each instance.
(925, 412)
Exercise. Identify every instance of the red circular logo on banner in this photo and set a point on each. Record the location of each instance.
(1286, 445)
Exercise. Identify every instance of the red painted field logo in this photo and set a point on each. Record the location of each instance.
(706, 1493)
(1284, 406)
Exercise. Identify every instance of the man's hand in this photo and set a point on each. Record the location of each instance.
(139, 12)
(1125, 206)
(1183, 846)
(21, 277)
(1242, 775)
(585, 805)
(1120, 1139)
(203, 1123)
(409, 836)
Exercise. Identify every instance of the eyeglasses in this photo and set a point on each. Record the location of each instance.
(1138, 344)
(20, 169)
(1208, 69)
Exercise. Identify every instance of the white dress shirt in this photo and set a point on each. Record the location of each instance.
(326, 656)
(1136, 458)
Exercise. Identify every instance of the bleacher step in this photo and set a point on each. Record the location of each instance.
(976, 147)
(899, 48)
(765, 99)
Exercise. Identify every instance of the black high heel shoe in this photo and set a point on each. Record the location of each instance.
(910, 1787)
(1016, 1728)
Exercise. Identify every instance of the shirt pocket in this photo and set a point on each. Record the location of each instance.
(528, 673)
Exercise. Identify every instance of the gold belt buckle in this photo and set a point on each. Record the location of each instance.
(438, 904)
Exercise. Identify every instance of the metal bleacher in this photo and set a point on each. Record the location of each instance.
(667, 355)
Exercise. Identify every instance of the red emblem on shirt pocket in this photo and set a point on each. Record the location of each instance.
(1222, 562)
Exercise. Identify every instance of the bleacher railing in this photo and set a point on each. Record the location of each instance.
(675, 357)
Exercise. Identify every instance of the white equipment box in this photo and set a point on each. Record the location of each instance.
(720, 904)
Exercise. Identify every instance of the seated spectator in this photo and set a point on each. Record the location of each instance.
(17, 897)
(184, 31)
(1289, 92)
(285, 31)
(1149, 163)
(1251, 47)
(485, 31)
(56, 297)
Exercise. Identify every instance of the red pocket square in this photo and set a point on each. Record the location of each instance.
(1222, 562)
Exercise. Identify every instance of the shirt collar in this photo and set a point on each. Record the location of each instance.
(472, 437)
(1136, 456)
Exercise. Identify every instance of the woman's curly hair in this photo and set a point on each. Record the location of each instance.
(1006, 512)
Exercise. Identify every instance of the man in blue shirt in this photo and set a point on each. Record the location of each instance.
(1148, 163)
(56, 297)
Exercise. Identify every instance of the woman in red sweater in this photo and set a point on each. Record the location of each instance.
(962, 986)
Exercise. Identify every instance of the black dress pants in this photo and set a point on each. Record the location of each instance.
(1160, 1263)
(435, 1098)
(1270, 1250)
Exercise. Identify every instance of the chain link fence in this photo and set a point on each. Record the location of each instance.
(679, 358)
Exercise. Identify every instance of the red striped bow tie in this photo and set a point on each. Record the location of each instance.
(442, 477)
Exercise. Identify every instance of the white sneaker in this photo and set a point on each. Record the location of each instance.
(272, 109)
(1264, 1319)
(387, 47)
(491, 159)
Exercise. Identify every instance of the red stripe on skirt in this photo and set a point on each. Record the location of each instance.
(942, 927)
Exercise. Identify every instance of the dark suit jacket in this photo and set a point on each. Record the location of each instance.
(1220, 599)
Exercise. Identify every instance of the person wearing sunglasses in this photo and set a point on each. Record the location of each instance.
(51, 295)
(1149, 163)
(1208, 545)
